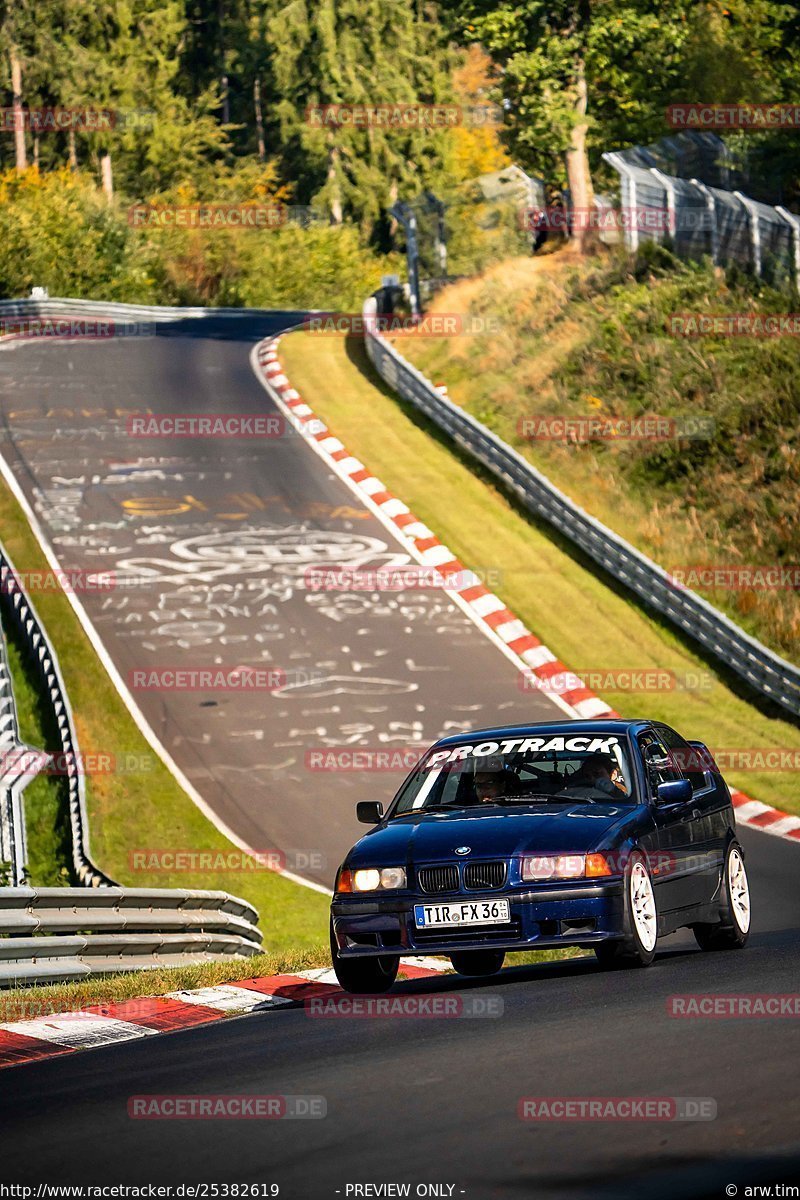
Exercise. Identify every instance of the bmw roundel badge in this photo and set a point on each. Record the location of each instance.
(463, 849)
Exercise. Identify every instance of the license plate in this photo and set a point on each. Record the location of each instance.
(470, 912)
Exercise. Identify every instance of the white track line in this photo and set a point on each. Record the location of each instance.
(141, 722)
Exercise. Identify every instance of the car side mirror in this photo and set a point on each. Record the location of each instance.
(369, 812)
(654, 756)
(674, 791)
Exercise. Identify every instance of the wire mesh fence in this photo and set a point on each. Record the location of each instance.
(461, 230)
(697, 216)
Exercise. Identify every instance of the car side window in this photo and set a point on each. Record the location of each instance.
(686, 758)
(660, 768)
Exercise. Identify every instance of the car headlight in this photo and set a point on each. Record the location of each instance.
(371, 879)
(549, 866)
(540, 867)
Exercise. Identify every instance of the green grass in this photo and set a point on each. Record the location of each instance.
(593, 339)
(533, 958)
(580, 616)
(142, 808)
(20, 1004)
(46, 798)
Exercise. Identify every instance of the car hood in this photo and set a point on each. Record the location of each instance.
(574, 827)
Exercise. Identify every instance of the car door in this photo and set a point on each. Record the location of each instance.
(710, 799)
(677, 879)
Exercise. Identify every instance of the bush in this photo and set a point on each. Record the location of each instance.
(58, 231)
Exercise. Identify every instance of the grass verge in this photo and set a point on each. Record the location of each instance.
(580, 616)
(143, 807)
(20, 1004)
(46, 798)
(596, 339)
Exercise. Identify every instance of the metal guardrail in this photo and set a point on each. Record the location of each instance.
(19, 764)
(13, 854)
(65, 306)
(52, 934)
(56, 934)
(19, 609)
(764, 671)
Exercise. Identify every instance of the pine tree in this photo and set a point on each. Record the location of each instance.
(357, 54)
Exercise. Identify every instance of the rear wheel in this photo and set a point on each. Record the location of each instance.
(733, 928)
(638, 947)
(478, 962)
(364, 976)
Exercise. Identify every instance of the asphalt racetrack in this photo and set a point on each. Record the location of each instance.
(209, 542)
(422, 1101)
(435, 1100)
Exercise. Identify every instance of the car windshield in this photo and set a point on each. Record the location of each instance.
(554, 769)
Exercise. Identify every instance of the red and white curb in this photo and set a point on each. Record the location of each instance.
(57, 1034)
(485, 609)
(756, 815)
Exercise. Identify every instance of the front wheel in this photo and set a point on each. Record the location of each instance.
(364, 976)
(638, 947)
(478, 962)
(733, 928)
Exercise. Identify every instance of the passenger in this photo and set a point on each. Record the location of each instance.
(601, 773)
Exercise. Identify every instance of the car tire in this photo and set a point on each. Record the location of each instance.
(638, 947)
(478, 962)
(364, 976)
(733, 928)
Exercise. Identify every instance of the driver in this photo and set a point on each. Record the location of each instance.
(490, 785)
(600, 772)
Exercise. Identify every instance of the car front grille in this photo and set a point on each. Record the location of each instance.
(484, 875)
(435, 880)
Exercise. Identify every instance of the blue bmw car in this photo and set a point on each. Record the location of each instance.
(603, 834)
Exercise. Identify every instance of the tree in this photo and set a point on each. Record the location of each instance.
(576, 69)
(745, 51)
(123, 56)
(475, 147)
(362, 53)
(29, 52)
